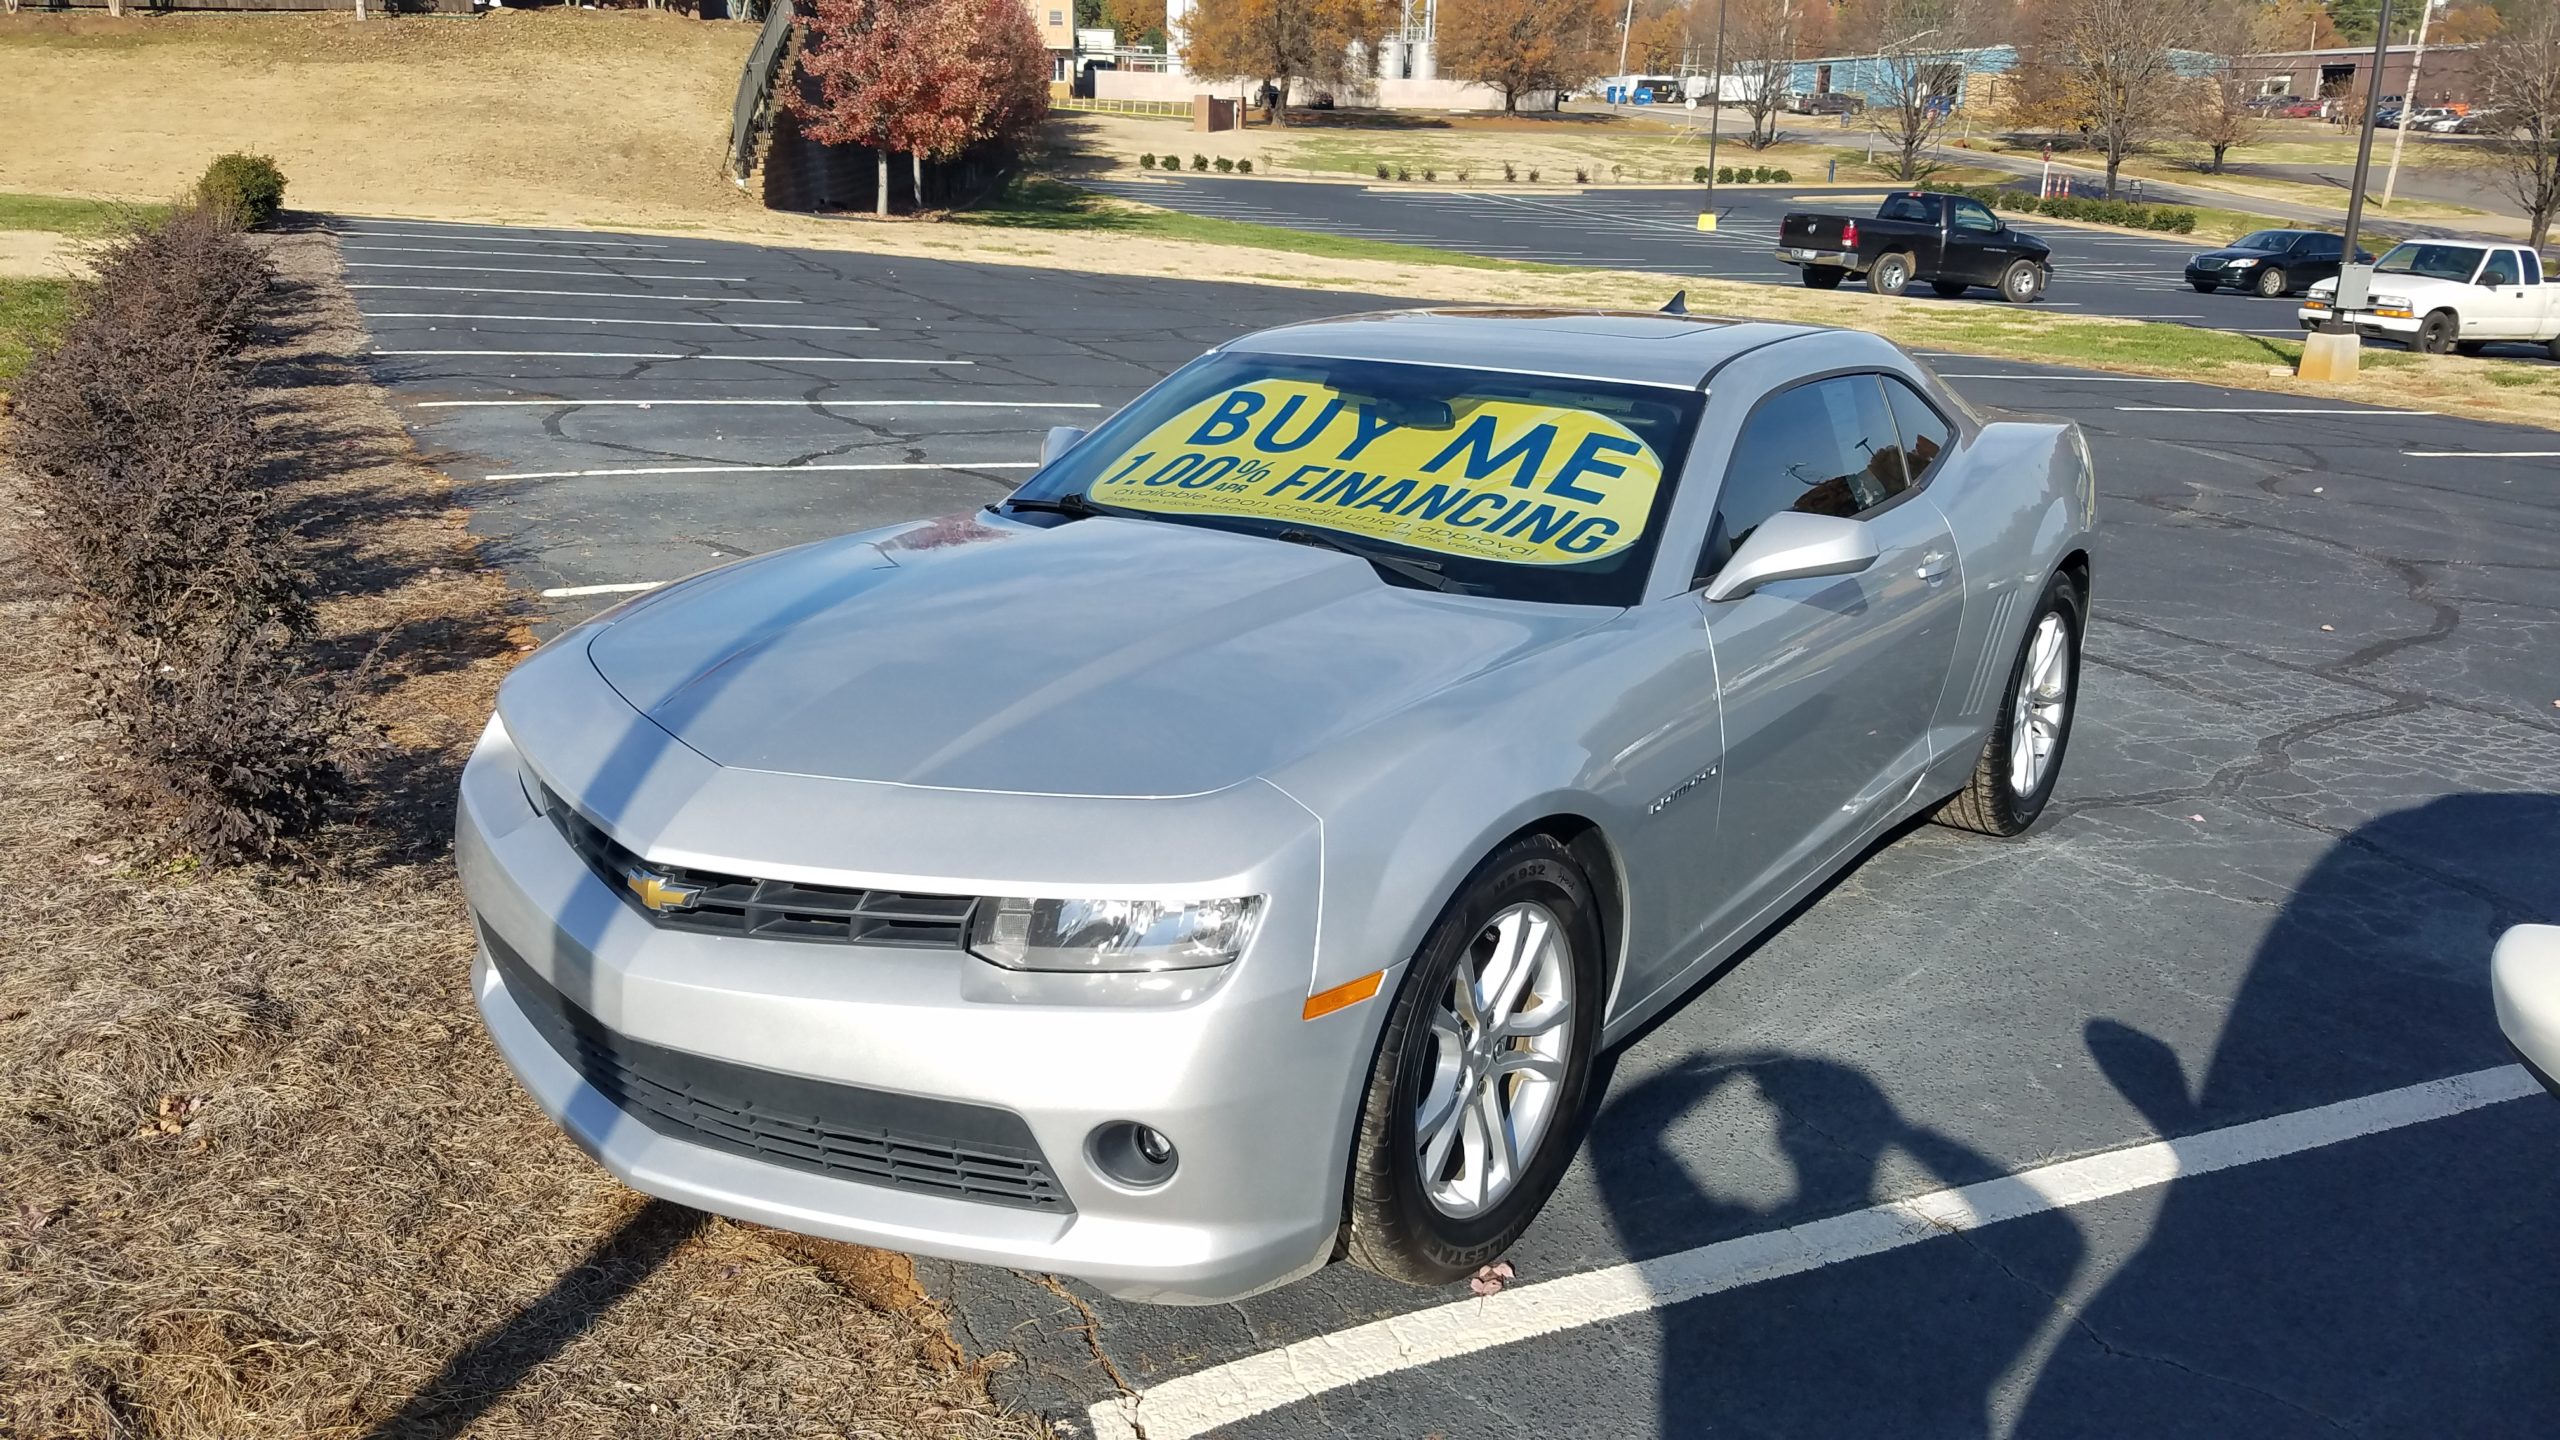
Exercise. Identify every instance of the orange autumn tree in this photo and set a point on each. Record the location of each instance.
(1518, 47)
(1279, 42)
(926, 78)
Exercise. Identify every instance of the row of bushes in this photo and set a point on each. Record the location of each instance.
(2130, 214)
(137, 435)
(1222, 164)
(1744, 175)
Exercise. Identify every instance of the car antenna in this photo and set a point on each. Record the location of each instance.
(1678, 304)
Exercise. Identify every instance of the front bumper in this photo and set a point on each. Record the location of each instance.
(1258, 1100)
(2524, 984)
(2403, 328)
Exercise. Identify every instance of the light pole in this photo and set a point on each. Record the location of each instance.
(1626, 28)
(1715, 105)
(2408, 102)
(2332, 352)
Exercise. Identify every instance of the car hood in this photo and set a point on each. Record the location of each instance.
(2396, 285)
(1107, 657)
(2234, 252)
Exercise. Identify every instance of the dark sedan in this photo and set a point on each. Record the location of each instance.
(2270, 262)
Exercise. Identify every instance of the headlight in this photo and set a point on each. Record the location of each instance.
(2242, 264)
(2389, 302)
(1097, 935)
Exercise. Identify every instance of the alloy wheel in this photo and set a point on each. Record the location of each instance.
(2036, 712)
(1496, 1072)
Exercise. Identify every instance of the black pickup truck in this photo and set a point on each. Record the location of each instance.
(1952, 242)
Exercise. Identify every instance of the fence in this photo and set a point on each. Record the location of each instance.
(755, 86)
(1179, 109)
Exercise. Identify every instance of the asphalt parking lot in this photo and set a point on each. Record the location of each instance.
(2184, 1115)
(2096, 272)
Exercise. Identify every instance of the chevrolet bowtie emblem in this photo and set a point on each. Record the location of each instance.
(658, 893)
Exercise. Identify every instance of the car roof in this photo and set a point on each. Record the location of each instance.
(1628, 346)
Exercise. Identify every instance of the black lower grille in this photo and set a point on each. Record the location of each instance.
(719, 904)
(942, 1147)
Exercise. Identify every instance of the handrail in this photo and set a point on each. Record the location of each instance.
(756, 84)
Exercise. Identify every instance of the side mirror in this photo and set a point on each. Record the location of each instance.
(1792, 545)
(2495, 278)
(1059, 440)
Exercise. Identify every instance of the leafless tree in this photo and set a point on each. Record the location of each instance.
(2516, 72)
(2214, 109)
(2112, 60)
(1917, 76)
(1760, 40)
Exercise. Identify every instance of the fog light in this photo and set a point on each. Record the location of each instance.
(1127, 1153)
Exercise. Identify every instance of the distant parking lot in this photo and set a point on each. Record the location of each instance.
(2314, 774)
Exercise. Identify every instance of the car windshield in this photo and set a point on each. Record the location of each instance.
(2264, 240)
(2436, 262)
(1517, 486)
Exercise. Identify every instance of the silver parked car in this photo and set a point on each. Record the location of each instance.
(1231, 852)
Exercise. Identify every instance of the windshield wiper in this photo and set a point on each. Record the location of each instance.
(1073, 505)
(1420, 572)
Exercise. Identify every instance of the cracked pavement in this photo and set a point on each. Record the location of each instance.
(2316, 769)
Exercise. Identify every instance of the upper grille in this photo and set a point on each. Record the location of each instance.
(771, 909)
(846, 1132)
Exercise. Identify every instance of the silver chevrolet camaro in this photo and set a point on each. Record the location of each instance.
(1230, 852)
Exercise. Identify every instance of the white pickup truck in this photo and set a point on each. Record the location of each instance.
(2458, 295)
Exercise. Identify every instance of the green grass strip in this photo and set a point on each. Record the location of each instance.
(70, 216)
(32, 312)
(1053, 205)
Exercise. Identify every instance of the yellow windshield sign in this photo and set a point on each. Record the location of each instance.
(1513, 480)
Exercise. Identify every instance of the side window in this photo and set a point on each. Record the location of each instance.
(1974, 215)
(2532, 267)
(2328, 247)
(1925, 433)
(1828, 448)
(2501, 269)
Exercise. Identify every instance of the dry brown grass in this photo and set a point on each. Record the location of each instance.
(521, 113)
(261, 1173)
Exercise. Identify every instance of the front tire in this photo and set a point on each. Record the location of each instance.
(1890, 275)
(2022, 282)
(2271, 283)
(2438, 333)
(1477, 1097)
(2015, 774)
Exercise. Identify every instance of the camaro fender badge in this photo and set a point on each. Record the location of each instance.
(659, 894)
(1683, 788)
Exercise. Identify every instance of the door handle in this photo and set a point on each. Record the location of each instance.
(1933, 566)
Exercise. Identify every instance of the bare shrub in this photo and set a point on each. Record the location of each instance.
(137, 437)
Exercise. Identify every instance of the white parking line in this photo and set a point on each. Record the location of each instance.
(764, 469)
(579, 294)
(520, 270)
(646, 355)
(1224, 1395)
(605, 320)
(565, 592)
(493, 239)
(2260, 410)
(804, 404)
(513, 255)
(2482, 454)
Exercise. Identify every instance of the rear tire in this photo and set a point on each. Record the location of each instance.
(1822, 277)
(1890, 275)
(2006, 797)
(2553, 349)
(2438, 333)
(1399, 1221)
(2271, 283)
(2022, 282)
(1949, 288)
